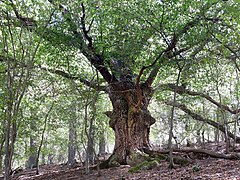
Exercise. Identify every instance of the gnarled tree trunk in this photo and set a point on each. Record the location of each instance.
(131, 127)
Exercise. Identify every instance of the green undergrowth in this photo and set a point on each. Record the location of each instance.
(153, 161)
(150, 162)
(145, 165)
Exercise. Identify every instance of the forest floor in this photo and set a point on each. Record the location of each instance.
(202, 167)
(209, 168)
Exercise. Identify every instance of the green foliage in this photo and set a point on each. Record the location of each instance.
(159, 157)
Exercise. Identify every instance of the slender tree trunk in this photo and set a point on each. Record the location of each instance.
(216, 130)
(72, 136)
(171, 165)
(9, 114)
(10, 123)
(90, 143)
(42, 138)
(85, 129)
(237, 115)
(50, 158)
(71, 144)
(102, 144)
(225, 122)
(2, 147)
(8, 158)
(91, 131)
(203, 137)
(10, 135)
(170, 146)
(32, 160)
(199, 140)
(1, 162)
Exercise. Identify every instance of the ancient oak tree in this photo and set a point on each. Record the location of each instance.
(128, 42)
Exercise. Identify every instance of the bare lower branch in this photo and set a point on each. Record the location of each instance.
(198, 117)
(182, 90)
(91, 84)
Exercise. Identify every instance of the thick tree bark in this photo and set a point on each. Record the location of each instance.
(131, 128)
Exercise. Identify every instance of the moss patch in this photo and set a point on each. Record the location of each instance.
(110, 162)
(159, 157)
(180, 160)
(146, 165)
(113, 162)
(136, 158)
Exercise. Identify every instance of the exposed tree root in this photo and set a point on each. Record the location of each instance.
(112, 161)
(178, 159)
(133, 159)
(105, 164)
(137, 158)
(161, 155)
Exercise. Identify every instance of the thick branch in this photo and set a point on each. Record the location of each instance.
(89, 52)
(163, 56)
(85, 31)
(202, 119)
(139, 90)
(182, 90)
(25, 21)
(91, 84)
(169, 49)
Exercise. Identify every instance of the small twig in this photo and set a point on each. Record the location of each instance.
(42, 138)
